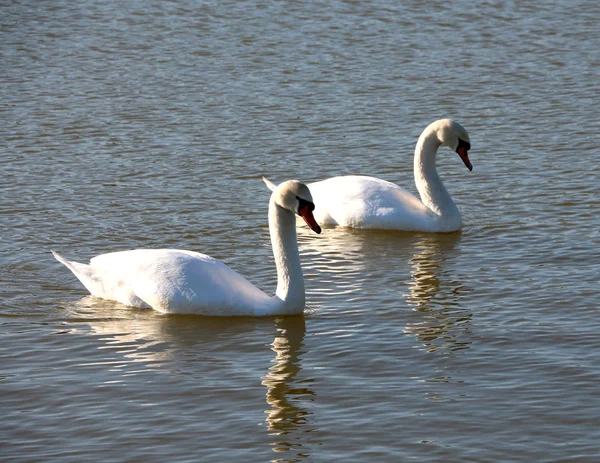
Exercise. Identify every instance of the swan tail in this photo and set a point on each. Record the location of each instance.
(269, 184)
(87, 274)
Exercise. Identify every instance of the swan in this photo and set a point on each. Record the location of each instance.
(187, 282)
(368, 202)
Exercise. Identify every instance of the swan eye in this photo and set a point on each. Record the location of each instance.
(303, 203)
(463, 144)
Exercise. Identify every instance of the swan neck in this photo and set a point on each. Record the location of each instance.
(290, 281)
(429, 184)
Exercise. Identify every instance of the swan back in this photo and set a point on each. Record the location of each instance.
(171, 281)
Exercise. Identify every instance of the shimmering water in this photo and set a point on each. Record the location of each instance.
(149, 124)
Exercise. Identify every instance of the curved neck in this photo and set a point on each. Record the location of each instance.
(433, 192)
(290, 281)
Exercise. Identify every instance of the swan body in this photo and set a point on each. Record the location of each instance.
(180, 281)
(371, 203)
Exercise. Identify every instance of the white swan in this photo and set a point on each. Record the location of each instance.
(368, 202)
(177, 281)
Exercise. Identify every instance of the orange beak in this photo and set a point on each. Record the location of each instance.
(464, 155)
(306, 213)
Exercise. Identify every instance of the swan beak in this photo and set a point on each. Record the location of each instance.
(464, 155)
(306, 213)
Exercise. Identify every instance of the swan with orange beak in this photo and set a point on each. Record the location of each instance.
(181, 281)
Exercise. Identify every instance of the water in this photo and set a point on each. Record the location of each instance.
(149, 124)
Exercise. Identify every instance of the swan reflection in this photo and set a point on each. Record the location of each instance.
(356, 266)
(435, 294)
(285, 395)
(210, 349)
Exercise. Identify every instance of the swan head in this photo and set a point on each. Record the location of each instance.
(295, 197)
(454, 136)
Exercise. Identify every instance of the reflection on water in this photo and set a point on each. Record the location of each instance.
(435, 294)
(138, 335)
(351, 262)
(284, 394)
(202, 347)
(336, 256)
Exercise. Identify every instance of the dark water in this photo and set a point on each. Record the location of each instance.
(149, 124)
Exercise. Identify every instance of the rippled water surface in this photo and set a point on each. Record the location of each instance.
(149, 124)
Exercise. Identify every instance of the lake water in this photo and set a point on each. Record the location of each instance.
(150, 124)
